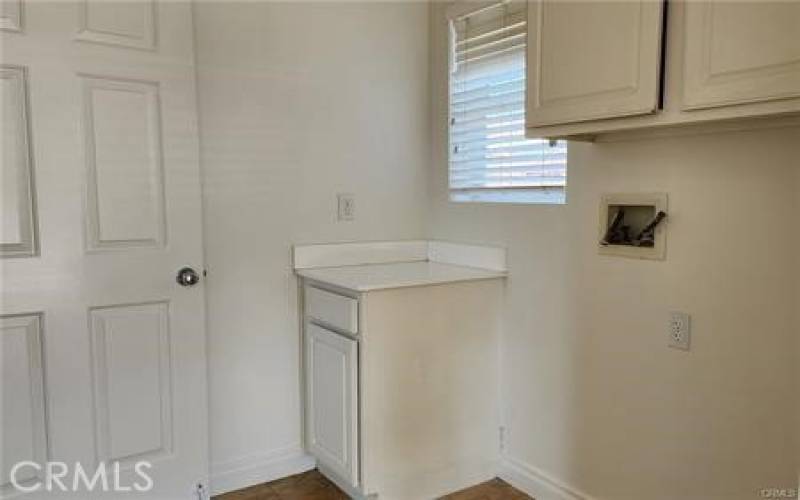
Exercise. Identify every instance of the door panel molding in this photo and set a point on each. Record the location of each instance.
(132, 380)
(24, 406)
(124, 164)
(19, 231)
(92, 29)
(11, 15)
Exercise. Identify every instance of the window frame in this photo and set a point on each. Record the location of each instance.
(506, 195)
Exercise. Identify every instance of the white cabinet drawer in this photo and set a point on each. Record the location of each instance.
(332, 309)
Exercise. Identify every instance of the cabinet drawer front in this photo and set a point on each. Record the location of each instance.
(332, 309)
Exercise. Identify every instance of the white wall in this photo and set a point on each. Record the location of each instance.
(593, 397)
(298, 101)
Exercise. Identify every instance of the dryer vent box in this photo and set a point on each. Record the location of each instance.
(624, 222)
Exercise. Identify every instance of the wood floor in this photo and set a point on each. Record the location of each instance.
(496, 489)
(312, 485)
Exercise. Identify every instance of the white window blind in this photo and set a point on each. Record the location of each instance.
(490, 158)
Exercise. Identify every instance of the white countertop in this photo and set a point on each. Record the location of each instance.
(364, 278)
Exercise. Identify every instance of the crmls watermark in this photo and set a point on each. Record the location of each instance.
(780, 493)
(58, 476)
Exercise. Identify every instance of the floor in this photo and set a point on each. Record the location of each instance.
(496, 489)
(312, 485)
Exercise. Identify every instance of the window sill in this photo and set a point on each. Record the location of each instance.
(511, 196)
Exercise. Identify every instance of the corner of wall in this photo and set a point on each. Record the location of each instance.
(537, 483)
(259, 468)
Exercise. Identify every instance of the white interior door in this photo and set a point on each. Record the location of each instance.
(103, 351)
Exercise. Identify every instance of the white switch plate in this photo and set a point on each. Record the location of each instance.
(680, 330)
(346, 206)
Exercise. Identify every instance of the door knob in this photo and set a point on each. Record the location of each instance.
(187, 277)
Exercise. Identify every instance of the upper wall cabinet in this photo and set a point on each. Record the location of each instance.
(590, 60)
(738, 52)
(596, 68)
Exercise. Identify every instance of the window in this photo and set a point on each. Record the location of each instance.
(491, 160)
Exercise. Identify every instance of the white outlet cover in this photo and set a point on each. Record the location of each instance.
(679, 330)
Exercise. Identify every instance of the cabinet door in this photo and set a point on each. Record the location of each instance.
(332, 401)
(592, 60)
(741, 52)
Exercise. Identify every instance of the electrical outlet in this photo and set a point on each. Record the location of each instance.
(346, 206)
(680, 330)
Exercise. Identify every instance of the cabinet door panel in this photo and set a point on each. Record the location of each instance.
(332, 398)
(592, 60)
(741, 52)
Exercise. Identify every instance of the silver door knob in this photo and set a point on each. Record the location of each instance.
(187, 277)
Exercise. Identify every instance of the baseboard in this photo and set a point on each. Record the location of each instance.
(536, 482)
(259, 468)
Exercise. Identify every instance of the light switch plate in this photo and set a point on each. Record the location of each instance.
(346, 206)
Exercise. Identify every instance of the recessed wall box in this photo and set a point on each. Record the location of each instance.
(633, 225)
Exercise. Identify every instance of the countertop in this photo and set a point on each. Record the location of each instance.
(369, 277)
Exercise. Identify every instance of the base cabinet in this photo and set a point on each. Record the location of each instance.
(405, 408)
(331, 400)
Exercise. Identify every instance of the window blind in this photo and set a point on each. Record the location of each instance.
(490, 158)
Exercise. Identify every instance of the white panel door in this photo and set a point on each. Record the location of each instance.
(103, 351)
(741, 52)
(332, 400)
(592, 60)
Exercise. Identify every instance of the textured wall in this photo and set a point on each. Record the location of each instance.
(298, 101)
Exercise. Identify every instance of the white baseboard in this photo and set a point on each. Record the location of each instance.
(263, 467)
(259, 468)
(536, 482)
